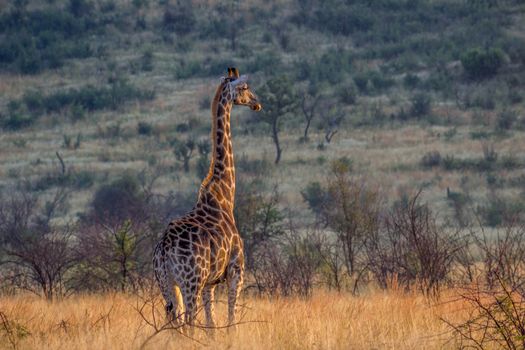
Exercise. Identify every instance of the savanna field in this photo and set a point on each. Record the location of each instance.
(380, 193)
(379, 320)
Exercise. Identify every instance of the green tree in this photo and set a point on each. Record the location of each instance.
(279, 99)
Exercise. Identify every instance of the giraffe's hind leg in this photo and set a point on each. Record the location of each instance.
(190, 295)
(234, 280)
(172, 295)
(208, 294)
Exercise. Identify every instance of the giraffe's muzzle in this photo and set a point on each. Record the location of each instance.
(256, 107)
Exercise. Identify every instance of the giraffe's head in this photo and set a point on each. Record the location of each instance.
(241, 93)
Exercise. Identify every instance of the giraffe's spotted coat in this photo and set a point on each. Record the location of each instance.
(204, 248)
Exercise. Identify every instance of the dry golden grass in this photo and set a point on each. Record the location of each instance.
(378, 320)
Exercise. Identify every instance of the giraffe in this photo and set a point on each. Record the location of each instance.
(203, 248)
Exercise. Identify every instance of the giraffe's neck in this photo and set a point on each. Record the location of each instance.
(220, 181)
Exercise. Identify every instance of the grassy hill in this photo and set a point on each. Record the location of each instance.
(428, 93)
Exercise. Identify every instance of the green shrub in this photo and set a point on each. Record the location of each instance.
(82, 179)
(493, 214)
(144, 128)
(265, 62)
(40, 39)
(484, 98)
(17, 117)
(478, 135)
(182, 127)
(411, 81)
(420, 105)
(451, 163)
(336, 17)
(431, 159)
(179, 18)
(146, 61)
(348, 93)
(315, 195)
(440, 80)
(253, 166)
(450, 133)
(480, 64)
(506, 119)
(118, 200)
(361, 81)
(25, 111)
(80, 8)
(510, 162)
(515, 96)
(372, 82)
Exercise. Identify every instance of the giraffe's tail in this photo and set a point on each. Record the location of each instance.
(171, 293)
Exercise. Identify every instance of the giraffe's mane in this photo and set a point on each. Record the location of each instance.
(214, 107)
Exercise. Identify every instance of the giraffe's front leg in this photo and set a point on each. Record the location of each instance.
(235, 280)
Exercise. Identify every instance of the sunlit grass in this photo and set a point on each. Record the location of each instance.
(376, 320)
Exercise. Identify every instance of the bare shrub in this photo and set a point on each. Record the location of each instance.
(495, 319)
(36, 255)
(331, 255)
(502, 253)
(412, 248)
(286, 267)
(496, 295)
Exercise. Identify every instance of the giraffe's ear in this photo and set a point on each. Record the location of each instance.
(230, 71)
(235, 73)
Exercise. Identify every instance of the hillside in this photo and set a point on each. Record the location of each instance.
(109, 85)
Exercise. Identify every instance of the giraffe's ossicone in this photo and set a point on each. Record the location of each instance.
(204, 248)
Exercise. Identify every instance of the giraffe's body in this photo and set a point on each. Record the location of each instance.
(204, 248)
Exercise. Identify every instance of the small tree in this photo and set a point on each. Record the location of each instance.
(184, 151)
(257, 216)
(351, 210)
(279, 99)
(309, 103)
(353, 213)
(332, 116)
